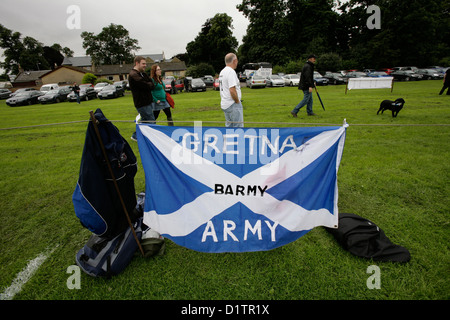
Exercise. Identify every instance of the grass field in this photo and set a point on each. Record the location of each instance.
(394, 171)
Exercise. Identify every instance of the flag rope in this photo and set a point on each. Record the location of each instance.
(246, 122)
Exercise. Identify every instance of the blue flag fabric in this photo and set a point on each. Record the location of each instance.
(214, 189)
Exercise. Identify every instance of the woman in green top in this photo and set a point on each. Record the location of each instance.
(159, 95)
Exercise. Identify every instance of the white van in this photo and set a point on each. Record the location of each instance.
(48, 87)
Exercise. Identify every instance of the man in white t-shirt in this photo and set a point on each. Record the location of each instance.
(230, 93)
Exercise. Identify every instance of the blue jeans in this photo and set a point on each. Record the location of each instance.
(307, 100)
(147, 115)
(234, 116)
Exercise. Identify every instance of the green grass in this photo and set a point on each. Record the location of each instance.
(394, 171)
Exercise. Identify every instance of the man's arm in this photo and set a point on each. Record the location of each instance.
(234, 94)
(141, 82)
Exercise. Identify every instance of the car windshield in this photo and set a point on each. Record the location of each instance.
(52, 92)
(380, 73)
(275, 77)
(294, 76)
(197, 81)
(109, 88)
(23, 94)
(98, 85)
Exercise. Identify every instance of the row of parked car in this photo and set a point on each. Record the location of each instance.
(341, 77)
(52, 93)
(282, 80)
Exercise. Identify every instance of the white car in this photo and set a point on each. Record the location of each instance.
(275, 80)
(291, 80)
(99, 86)
(47, 87)
(256, 82)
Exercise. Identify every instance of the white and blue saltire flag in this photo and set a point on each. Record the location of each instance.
(214, 189)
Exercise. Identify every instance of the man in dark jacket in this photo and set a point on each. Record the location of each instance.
(446, 82)
(306, 84)
(141, 86)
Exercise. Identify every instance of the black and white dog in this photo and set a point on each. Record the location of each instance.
(395, 106)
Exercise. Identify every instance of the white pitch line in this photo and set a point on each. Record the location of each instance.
(25, 275)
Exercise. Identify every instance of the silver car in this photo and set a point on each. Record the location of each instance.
(256, 82)
(275, 80)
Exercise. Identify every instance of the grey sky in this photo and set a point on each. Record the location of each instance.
(158, 25)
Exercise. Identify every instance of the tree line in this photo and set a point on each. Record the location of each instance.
(285, 32)
(282, 32)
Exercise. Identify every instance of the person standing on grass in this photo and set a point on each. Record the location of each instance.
(159, 95)
(446, 82)
(76, 90)
(306, 84)
(141, 88)
(230, 93)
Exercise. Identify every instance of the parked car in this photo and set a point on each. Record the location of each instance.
(122, 84)
(24, 98)
(99, 86)
(208, 80)
(179, 85)
(377, 74)
(168, 85)
(111, 91)
(48, 87)
(439, 69)
(430, 74)
(21, 90)
(355, 74)
(86, 93)
(55, 95)
(406, 75)
(216, 85)
(197, 84)
(291, 79)
(275, 80)
(335, 78)
(387, 70)
(319, 79)
(5, 93)
(256, 82)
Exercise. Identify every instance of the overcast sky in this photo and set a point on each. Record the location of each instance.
(161, 25)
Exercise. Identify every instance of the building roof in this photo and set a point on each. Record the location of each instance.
(27, 76)
(155, 57)
(85, 61)
(81, 70)
(104, 70)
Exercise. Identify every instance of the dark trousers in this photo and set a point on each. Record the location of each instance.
(446, 85)
(168, 114)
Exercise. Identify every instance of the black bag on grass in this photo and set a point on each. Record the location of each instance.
(106, 257)
(365, 239)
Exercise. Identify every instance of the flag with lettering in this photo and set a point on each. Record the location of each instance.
(214, 189)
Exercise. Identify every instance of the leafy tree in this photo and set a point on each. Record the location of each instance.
(112, 45)
(213, 42)
(266, 39)
(89, 78)
(200, 70)
(413, 32)
(28, 53)
(312, 26)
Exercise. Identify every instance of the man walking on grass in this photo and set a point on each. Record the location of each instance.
(306, 84)
(141, 86)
